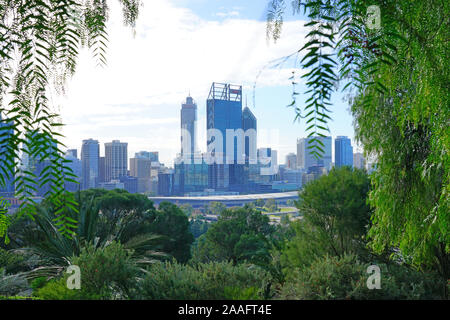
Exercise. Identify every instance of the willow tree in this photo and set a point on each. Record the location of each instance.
(391, 56)
(40, 41)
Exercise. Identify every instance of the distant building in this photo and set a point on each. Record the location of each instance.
(75, 165)
(291, 161)
(90, 154)
(359, 161)
(111, 185)
(130, 184)
(101, 170)
(153, 156)
(188, 115)
(165, 183)
(140, 168)
(249, 122)
(343, 152)
(304, 157)
(116, 160)
(224, 112)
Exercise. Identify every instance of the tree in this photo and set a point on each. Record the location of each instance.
(271, 205)
(39, 46)
(239, 235)
(172, 223)
(216, 208)
(335, 220)
(399, 97)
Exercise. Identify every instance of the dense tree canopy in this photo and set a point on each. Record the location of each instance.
(397, 77)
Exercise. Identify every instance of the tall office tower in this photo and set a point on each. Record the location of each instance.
(116, 160)
(90, 154)
(343, 152)
(224, 112)
(140, 168)
(75, 165)
(188, 127)
(7, 189)
(291, 161)
(306, 160)
(359, 161)
(152, 155)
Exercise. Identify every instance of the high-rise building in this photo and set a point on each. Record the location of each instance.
(116, 160)
(304, 157)
(152, 155)
(343, 152)
(291, 161)
(101, 170)
(188, 127)
(6, 130)
(140, 168)
(359, 161)
(224, 112)
(90, 154)
(75, 165)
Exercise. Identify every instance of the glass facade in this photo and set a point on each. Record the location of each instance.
(343, 152)
(90, 152)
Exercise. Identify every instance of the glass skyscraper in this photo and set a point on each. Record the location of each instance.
(343, 152)
(188, 127)
(116, 160)
(90, 154)
(223, 111)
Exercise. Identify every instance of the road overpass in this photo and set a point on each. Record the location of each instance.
(229, 200)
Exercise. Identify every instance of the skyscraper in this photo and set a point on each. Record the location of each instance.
(224, 112)
(116, 160)
(306, 160)
(188, 127)
(343, 152)
(291, 161)
(152, 155)
(359, 161)
(7, 189)
(140, 168)
(90, 152)
(75, 165)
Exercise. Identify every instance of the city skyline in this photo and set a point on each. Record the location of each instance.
(142, 107)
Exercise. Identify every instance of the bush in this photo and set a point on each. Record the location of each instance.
(11, 285)
(346, 278)
(109, 272)
(57, 290)
(208, 281)
(11, 262)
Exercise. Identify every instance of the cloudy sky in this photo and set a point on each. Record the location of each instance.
(182, 46)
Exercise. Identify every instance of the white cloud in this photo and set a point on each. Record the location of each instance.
(148, 75)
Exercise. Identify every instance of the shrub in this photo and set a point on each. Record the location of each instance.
(346, 278)
(171, 280)
(109, 271)
(11, 262)
(57, 290)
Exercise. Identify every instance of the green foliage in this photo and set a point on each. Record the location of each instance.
(345, 278)
(398, 83)
(56, 289)
(239, 235)
(198, 226)
(11, 262)
(335, 217)
(172, 223)
(111, 216)
(108, 272)
(11, 285)
(204, 281)
(40, 43)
